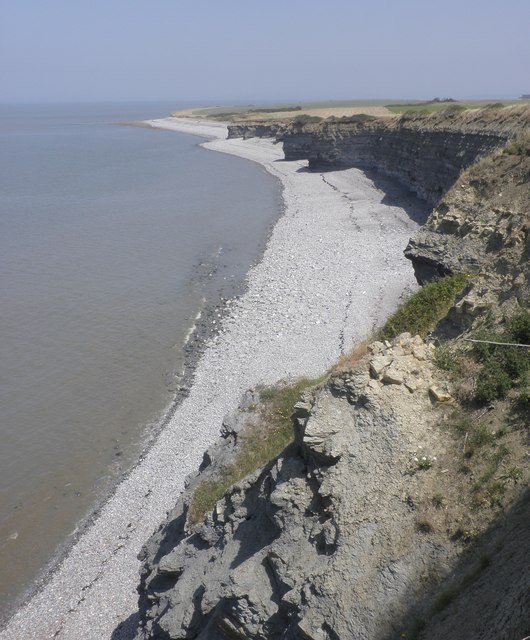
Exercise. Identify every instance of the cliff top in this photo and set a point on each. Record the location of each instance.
(332, 110)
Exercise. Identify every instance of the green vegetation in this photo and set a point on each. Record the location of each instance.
(355, 119)
(447, 358)
(519, 147)
(274, 109)
(420, 313)
(438, 501)
(454, 108)
(487, 458)
(503, 367)
(434, 106)
(481, 165)
(258, 445)
(430, 106)
(305, 118)
(424, 463)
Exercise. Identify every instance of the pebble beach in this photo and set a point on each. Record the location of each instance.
(333, 269)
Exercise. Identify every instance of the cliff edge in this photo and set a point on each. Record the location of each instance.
(399, 508)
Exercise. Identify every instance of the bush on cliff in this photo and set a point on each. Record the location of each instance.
(519, 147)
(503, 367)
(305, 118)
(421, 312)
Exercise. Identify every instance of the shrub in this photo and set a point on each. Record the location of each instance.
(503, 367)
(454, 108)
(305, 118)
(492, 383)
(482, 436)
(424, 309)
(518, 327)
(446, 358)
(519, 147)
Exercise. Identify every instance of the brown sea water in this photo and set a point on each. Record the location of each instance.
(112, 239)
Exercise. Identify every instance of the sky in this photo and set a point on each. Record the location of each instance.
(232, 51)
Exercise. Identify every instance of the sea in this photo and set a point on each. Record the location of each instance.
(114, 239)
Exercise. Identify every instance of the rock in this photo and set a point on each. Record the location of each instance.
(378, 364)
(323, 542)
(302, 409)
(377, 348)
(411, 149)
(439, 395)
(393, 375)
(420, 353)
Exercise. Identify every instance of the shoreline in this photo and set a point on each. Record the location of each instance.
(205, 325)
(302, 304)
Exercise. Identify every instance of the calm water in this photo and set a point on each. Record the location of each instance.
(108, 237)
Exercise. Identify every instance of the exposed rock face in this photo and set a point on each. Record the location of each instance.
(323, 543)
(482, 225)
(425, 153)
(251, 129)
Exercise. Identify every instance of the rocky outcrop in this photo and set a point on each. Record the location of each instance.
(259, 129)
(426, 153)
(330, 540)
(481, 226)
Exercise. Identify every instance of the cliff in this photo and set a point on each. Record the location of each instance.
(426, 153)
(482, 225)
(399, 510)
(360, 529)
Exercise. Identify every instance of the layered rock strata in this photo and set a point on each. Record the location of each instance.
(426, 153)
(481, 226)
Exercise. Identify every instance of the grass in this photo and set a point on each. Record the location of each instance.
(258, 445)
(347, 361)
(434, 107)
(488, 457)
(519, 147)
(422, 311)
(424, 463)
(487, 372)
(481, 165)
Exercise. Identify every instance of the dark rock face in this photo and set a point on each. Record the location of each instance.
(426, 162)
(425, 153)
(255, 130)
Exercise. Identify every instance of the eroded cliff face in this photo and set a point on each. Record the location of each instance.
(339, 537)
(323, 542)
(481, 226)
(426, 153)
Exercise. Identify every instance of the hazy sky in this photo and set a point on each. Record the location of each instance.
(233, 50)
